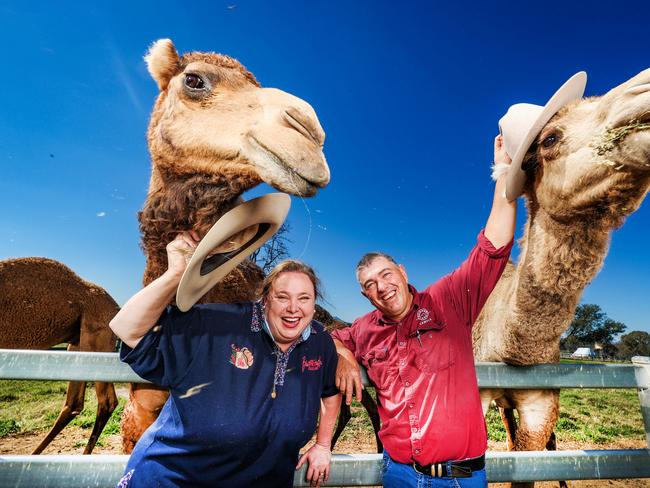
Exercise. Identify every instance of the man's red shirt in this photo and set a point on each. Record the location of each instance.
(423, 366)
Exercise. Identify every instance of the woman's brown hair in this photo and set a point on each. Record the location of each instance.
(289, 266)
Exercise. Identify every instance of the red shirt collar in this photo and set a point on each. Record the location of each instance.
(381, 319)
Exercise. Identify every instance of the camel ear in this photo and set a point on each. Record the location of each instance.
(162, 62)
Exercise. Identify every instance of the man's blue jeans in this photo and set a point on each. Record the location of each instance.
(398, 475)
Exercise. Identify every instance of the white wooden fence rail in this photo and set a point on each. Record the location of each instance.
(347, 469)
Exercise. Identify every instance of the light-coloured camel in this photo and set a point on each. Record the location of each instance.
(44, 303)
(588, 170)
(215, 133)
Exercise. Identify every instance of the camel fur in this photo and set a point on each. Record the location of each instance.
(214, 133)
(44, 303)
(587, 171)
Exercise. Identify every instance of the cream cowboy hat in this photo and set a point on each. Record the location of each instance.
(236, 235)
(523, 122)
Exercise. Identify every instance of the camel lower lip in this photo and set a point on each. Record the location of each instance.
(310, 188)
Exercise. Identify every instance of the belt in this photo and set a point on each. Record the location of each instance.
(457, 469)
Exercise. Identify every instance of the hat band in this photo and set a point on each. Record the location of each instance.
(216, 260)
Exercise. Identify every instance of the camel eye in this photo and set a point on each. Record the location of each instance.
(550, 141)
(194, 82)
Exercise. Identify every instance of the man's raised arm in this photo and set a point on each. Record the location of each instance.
(500, 227)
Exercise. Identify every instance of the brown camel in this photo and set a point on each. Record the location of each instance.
(215, 133)
(44, 303)
(588, 170)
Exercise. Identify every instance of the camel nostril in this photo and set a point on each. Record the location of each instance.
(637, 89)
(304, 124)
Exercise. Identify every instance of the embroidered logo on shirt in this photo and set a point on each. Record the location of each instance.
(241, 357)
(124, 482)
(423, 316)
(311, 364)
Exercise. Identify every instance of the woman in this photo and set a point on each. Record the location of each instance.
(247, 382)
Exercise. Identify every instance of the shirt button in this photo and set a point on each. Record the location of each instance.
(417, 451)
(402, 362)
(411, 405)
(407, 383)
(402, 343)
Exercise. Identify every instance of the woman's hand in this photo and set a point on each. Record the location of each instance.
(319, 459)
(180, 251)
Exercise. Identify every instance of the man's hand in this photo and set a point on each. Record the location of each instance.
(500, 154)
(348, 374)
(502, 161)
(500, 227)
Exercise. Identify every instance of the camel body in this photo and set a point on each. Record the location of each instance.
(43, 304)
(588, 170)
(214, 133)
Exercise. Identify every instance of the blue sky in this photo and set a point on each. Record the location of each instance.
(409, 94)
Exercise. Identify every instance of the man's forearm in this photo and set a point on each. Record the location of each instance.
(330, 407)
(341, 350)
(500, 227)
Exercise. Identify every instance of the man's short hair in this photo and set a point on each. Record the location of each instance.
(368, 258)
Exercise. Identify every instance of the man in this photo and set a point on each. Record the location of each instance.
(417, 348)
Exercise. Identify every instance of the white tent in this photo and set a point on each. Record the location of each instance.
(583, 352)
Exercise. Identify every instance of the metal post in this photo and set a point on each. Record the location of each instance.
(642, 373)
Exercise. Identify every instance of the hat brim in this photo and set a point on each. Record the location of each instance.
(572, 90)
(205, 269)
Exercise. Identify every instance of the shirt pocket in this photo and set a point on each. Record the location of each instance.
(436, 353)
(378, 366)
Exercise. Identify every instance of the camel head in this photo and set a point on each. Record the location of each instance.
(592, 159)
(213, 118)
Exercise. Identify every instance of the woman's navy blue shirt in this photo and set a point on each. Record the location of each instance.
(239, 409)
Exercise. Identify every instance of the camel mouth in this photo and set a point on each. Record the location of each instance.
(294, 183)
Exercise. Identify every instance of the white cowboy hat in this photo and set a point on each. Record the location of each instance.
(523, 122)
(236, 235)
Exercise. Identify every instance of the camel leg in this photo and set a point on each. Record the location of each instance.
(96, 336)
(74, 404)
(371, 406)
(142, 409)
(538, 413)
(510, 424)
(106, 404)
(551, 445)
(344, 417)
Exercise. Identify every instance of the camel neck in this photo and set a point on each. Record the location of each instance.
(558, 260)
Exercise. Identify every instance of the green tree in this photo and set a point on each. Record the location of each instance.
(636, 343)
(591, 325)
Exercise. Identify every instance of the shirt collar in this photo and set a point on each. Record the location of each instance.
(415, 304)
(259, 322)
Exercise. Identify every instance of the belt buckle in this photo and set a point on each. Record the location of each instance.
(416, 466)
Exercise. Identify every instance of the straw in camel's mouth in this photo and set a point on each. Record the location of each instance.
(612, 137)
